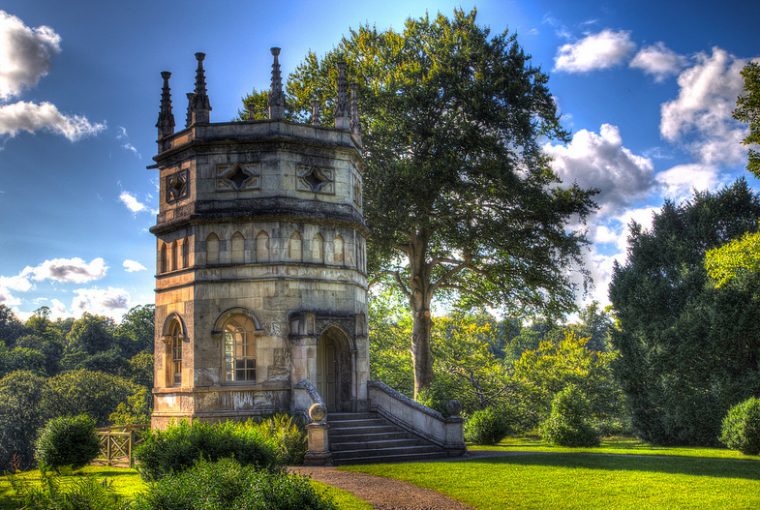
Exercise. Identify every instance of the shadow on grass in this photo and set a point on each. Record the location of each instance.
(696, 466)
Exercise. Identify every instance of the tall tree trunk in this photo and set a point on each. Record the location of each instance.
(419, 300)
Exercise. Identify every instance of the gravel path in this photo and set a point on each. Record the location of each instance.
(381, 493)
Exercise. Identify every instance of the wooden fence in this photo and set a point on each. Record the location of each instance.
(117, 445)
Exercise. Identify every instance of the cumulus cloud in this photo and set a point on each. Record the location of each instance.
(25, 54)
(601, 161)
(700, 117)
(74, 270)
(659, 61)
(602, 50)
(132, 203)
(680, 181)
(8, 299)
(111, 302)
(33, 117)
(132, 266)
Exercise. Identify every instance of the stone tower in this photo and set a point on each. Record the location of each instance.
(261, 287)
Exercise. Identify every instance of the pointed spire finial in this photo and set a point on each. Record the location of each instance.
(201, 106)
(356, 128)
(189, 113)
(165, 123)
(315, 111)
(276, 100)
(342, 120)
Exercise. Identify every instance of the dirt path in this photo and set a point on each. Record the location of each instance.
(381, 493)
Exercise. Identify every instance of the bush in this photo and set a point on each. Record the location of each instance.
(487, 426)
(179, 446)
(284, 429)
(67, 441)
(568, 423)
(741, 427)
(86, 493)
(226, 484)
(20, 417)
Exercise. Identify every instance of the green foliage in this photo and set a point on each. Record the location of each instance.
(688, 350)
(390, 332)
(84, 493)
(256, 106)
(141, 369)
(741, 427)
(96, 394)
(226, 484)
(291, 437)
(10, 327)
(568, 423)
(137, 327)
(20, 416)
(487, 426)
(179, 446)
(50, 346)
(748, 111)
(735, 260)
(21, 358)
(135, 411)
(67, 441)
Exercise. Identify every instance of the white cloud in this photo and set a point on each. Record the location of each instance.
(601, 161)
(659, 61)
(132, 203)
(8, 299)
(602, 50)
(681, 180)
(58, 309)
(700, 117)
(19, 282)
(74, 270)
(132, 266)
(111, 302)
(123, 136)
(33, 117)
(25, 54)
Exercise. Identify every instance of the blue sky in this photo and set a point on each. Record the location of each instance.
(646, 88)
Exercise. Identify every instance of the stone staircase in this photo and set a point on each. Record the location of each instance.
(363, 438)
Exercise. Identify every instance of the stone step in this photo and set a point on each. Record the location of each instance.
(332, 417)
(342, 455)
(372, 429)
(379, 459)
(361, 422)
(348, 436)
(375, 445)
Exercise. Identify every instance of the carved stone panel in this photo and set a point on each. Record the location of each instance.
(237, 177)
(176, 186)
(315, 179)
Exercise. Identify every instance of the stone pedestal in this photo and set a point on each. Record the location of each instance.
(318, 453)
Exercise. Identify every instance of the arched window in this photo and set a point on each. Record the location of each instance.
(238, 248)
(174, 256)
(174, 354)
(262, 247)
(338, 249)
(239, 350)
(185, 253)
(318, 248)
(163, 263)
(294, 246)
(212, 249)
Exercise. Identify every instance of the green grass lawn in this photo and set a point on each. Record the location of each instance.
(621, 474)
(127, 483)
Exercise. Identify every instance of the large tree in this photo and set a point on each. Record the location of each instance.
(459, 196)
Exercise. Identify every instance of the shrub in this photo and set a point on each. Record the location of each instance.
(135, 411)
(67, 441)
(487, 426)
(86, 493)
(226, 484)
(179, 446)
(741, 427)
(20, 417)
(284, 429)
(568, 423)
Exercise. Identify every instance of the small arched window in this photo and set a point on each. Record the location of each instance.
(262, 247)
(338, 250)
(318, 248)
(174, 372)
(294, 246)
(163, 263)
(212, 249)
(239, 350)
(238, 248)
(174, 256)
(185, 253)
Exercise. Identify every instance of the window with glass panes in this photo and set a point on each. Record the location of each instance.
(239, 350)
(176, 352)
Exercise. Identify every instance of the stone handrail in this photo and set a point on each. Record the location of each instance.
(419, 419)
(307, 400)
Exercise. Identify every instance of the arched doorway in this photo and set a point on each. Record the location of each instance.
(334, 370)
